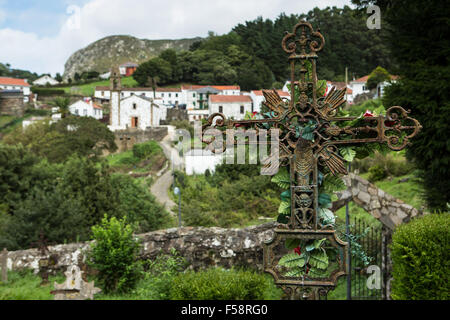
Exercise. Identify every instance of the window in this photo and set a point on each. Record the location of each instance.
(134, 106)
(162, 94)
(193, 103)
(193, 95)
(242, 109)
(76, 111)
(170, 95)
(220, 109)
(85, 112)
(103, 93)
(176, 95)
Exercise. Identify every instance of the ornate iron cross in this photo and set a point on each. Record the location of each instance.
(311, 155)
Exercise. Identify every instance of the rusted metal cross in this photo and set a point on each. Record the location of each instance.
(311, 135)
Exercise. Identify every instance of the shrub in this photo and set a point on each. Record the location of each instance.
(421, 259)
(376, 173)
(159, 275)
(47, 91)
(114, 254)
(143, 150)
(219, 284)
(128, 160)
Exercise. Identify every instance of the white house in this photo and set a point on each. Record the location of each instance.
(197, 161)
(7, 83)
(168, 96)
(258, 98)
(197, 96)
(86, 108)
(233, 107)
(358, 86)
(135, 112)
(382, 85)
(44, 80)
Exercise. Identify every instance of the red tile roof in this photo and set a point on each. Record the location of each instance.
(229, 99)
(362, 79)
(280, 92)
(221, 88)
(13, 82)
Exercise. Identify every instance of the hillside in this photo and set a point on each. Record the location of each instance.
(102, 54)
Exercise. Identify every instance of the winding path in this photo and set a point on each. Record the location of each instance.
(160, 188)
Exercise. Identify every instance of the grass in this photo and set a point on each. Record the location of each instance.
(24, 285)
(127, 161)
(88, 89)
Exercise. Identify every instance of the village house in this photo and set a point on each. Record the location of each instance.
(358, 87)
(258, 98)
(382, 85)
(233, 107)
(86, 108)
(136, 112)
(197, 96)
(168, 96)
(22, 85)
(133, 112)
(197, 161)
(128, 68)
(45, 80)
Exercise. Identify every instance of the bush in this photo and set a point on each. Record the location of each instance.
(377, 173)
(114, 254)
(159, 275)
(47, 91)
(128, 160)
(421, 260)
(219, 284)
(143, 150)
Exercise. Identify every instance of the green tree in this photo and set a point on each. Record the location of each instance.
(58, 77)
(156, 67)
(424, 85)
(377, 76)
(114, 254)
(63, 104)
(84, 136)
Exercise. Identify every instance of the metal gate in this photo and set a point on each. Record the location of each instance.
(367, 277)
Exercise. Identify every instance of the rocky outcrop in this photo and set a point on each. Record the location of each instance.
(202, 247)
(114, 50)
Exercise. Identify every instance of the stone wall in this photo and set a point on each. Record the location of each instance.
(202, 247)
(390, 211)
(126, 139)
(175, 114)
(11, 104)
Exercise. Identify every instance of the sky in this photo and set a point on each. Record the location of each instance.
(40, 35)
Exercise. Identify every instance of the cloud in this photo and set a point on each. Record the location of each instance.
(2, 16)
(170, 19)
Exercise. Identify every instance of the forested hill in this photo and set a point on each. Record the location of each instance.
(348, 42)
(251, 56)
(7, 71)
